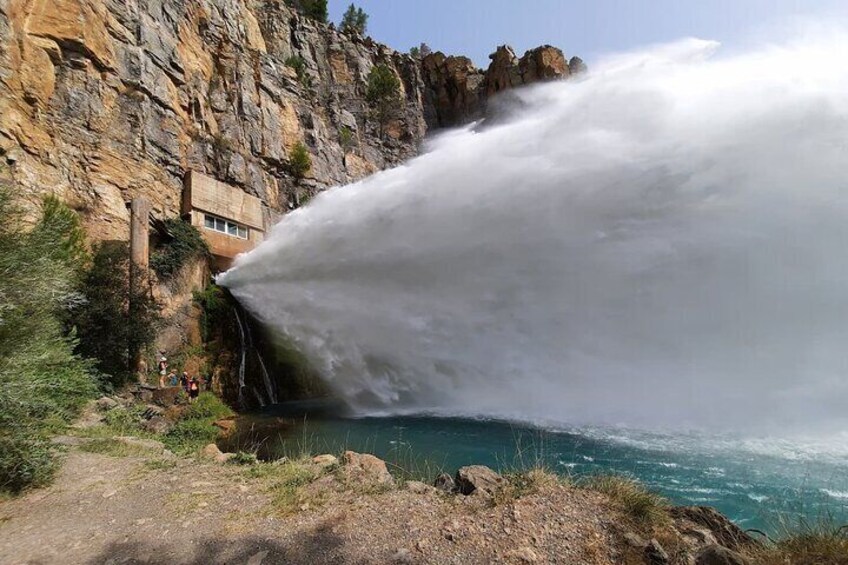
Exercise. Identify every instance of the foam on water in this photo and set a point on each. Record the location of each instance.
(660, 244)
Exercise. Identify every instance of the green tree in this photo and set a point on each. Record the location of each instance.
(315, 9)
(421, 51)
(297, 63)
(383, 94)
(299, 162)
(42, 384)
(116, 318)
(354, 19)
(347, 139)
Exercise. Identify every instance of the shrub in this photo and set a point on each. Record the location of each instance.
(354, 20)
(116, 318)
(347, 140)
(207, 406)
(314, 9)
(214, 309)
(196, 427)
(42, 383)
(297, 63)
(383, 94)
(185, 244)
(299, 162)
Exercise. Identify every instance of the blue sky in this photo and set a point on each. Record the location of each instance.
(587, 28)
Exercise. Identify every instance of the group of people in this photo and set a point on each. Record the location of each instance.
(190, 384)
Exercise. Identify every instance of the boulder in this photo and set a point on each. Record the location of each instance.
(105, 403)
(444, 482)
(477, 479)
(725, 532)
(655, 554)
(719, 555)
(367, 467)
(167, 397)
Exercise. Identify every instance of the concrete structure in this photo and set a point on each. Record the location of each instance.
(139, 261)
(230, 220)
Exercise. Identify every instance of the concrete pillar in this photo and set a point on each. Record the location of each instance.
(140, 233)
(139, 261)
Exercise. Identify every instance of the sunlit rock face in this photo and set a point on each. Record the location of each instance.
(106, 100)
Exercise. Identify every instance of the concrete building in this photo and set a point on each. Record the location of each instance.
(230, 220)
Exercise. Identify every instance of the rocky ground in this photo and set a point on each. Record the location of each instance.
(128, 500)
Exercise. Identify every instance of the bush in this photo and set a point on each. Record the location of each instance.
(354, 20)
(383, 94)
(42, 384)
(214, 309)
(115, 319)
(185, 244)
(299, 162)
(314, 9)
(299, 65)
(196, 427)
(347, 140)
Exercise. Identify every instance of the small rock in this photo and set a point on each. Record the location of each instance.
(325, 460)
(418, 487)
(444, 482)
(156, 425)
(477, 479)
(655, 554)
(364, 465)
(212, 452)
(634, 540)
(403, 556)
(525, 555)
(719, 555)
(105, 403)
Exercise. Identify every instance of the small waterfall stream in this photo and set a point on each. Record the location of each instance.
(267, 393)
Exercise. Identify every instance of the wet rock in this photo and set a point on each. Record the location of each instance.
(655, 554)
(445, 483)
(366, 466)
(477, 479)
(719, 555)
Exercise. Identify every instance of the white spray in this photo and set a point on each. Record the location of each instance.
(662, 243)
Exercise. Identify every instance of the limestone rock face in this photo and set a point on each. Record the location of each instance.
(105, 100)
(457, 92)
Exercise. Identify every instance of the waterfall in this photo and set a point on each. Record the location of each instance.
(243, 360)
(660, 243)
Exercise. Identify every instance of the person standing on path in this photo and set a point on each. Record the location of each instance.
(163, 370)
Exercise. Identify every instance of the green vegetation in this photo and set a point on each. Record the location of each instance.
(421, 51)
(314, 9)
(807, 543)
(42, 383)
(297, 63)
(243, 458)
(285, 479)
(115, 448)
(299, 162)
(185, 244)
(354, 20)
(196, 428)
(347, 140)
(637, 502)
(115, 318)
(383, 94)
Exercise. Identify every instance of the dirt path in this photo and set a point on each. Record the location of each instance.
(107, 509)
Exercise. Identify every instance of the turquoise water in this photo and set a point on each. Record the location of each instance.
(740, 478)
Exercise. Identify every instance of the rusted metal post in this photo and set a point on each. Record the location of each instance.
(139, 261)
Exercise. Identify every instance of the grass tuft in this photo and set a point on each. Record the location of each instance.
(114, 448)
(643, 506)
(822, 542)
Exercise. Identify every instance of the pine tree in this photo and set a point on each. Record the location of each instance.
(300, 162)
(354, 19)
(383, 94)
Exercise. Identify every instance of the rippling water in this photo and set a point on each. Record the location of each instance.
(754, 482)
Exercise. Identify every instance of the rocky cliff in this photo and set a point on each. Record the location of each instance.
(105, 100)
